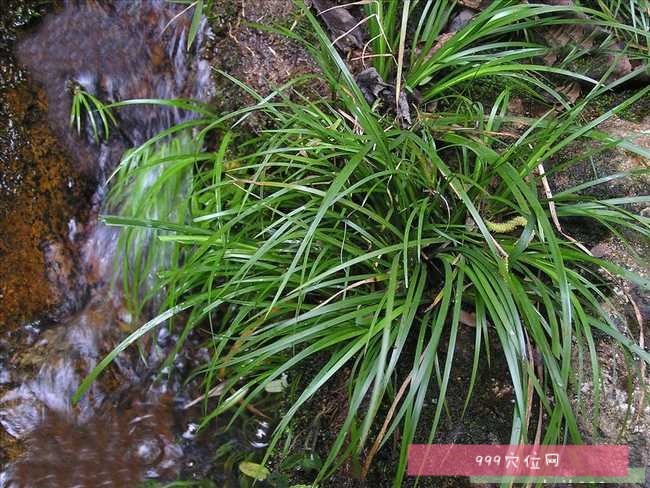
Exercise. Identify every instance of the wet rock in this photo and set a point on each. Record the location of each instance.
(65, 276)
(126, 426)
(630, 298)
(40, 192)
(461, 19)
(50, 371)
(609, 162)
(141, 53)
(625, 414)
(130, 50)
(632, 253)
(15, 15)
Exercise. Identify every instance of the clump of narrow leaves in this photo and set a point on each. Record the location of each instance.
(341, 236)
(87, 107)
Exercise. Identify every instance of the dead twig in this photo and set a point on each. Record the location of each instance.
(639, 318)
(553, 211)
(389, 416)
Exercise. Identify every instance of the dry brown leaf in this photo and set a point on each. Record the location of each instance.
(467, 318)
(374, 88)
(343, 26)
(442, 39)
(550, 58)
(475, 4)
(561, 35)
(623, 64)
(571, 91)
(516, 107)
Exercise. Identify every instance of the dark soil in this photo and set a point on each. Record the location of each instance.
(262, 60)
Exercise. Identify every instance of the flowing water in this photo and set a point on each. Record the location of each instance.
(132, 425)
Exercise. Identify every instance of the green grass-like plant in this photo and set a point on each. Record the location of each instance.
(342, 237)
(635, 16)
(84, 102)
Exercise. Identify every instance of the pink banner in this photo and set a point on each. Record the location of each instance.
(516, 460)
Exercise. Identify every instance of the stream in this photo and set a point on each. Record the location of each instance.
(133, 424)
